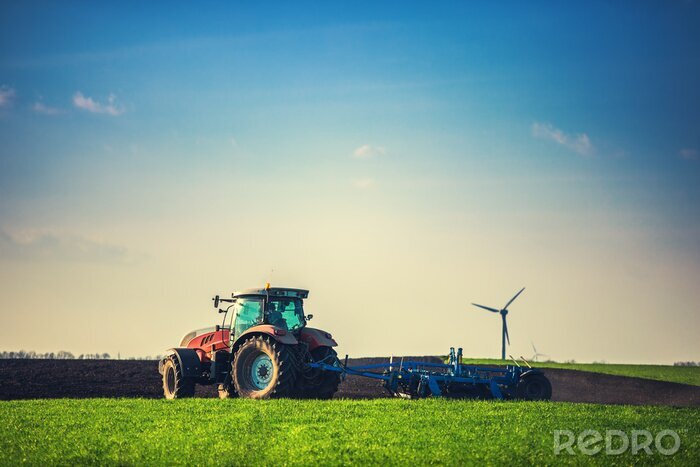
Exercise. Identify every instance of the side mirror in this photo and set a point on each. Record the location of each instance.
(216, 302)
(218, 328)
(309, 317)
(222, 311)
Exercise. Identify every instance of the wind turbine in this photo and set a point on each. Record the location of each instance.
(503, 311)
(536, 354)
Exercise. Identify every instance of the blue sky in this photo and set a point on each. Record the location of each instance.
(471, 138)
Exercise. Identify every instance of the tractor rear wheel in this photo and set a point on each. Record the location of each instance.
(175, 385)
(534, 387)
(324, 383)
(264, 369)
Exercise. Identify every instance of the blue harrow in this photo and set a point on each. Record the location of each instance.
(412, 380)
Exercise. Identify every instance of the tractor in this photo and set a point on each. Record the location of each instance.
(262, 350)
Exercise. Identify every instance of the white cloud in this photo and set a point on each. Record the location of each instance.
(40, 108)
(363, 183)
(366, 151)
(43, 245)
(689, 154)
(91, 105)
(579, 143)
(7, 96)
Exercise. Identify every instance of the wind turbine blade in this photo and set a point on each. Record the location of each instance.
(505, 330)
(511, 300)
(533, 346)
(487, 308)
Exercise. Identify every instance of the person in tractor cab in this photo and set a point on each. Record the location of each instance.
(286, 313)
(274, 314)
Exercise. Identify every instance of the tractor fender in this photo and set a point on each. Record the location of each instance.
(316, 338)
(280, 335)
(188, 358)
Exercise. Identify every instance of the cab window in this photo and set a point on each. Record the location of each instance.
(286, 313)
(248, 312)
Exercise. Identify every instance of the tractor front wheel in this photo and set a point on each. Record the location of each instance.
(264, 369)
(534, 387)
(175, 385)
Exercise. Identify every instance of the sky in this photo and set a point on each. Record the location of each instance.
(399, 159)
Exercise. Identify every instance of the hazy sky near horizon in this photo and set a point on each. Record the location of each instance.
(399, 159)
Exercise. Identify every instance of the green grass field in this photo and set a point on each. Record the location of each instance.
(245, 432)
(676, 374)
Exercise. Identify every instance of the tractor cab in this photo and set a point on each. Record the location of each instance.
(280, 307)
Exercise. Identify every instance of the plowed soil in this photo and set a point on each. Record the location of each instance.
(39, 379)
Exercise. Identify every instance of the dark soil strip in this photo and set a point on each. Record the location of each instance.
(40, 379)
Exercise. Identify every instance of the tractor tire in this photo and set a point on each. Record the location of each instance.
(264, 369)
(534, 387)
(324, 384)
(176, 386)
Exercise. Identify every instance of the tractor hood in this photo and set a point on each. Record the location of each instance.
(197, 332)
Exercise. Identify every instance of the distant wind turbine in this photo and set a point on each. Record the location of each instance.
(536, 354)
(503, 311)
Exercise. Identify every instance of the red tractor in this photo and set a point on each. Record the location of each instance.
(262, 350)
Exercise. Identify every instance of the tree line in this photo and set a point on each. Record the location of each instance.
(60, 355)
(65, 355)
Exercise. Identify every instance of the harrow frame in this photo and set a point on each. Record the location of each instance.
(412, 379)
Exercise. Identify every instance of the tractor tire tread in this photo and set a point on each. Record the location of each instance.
(184, 387)
(283, 362)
